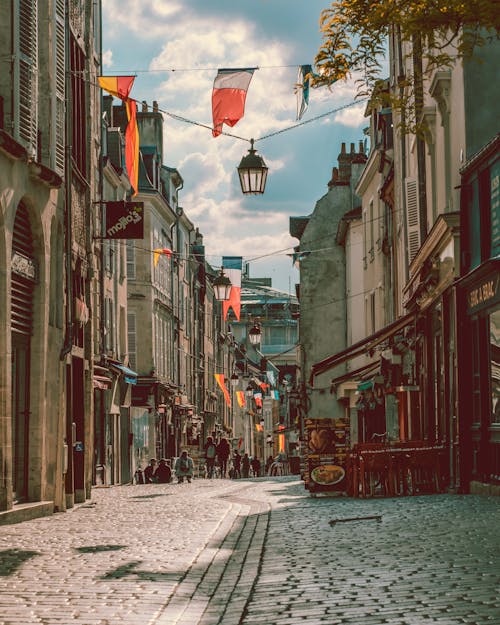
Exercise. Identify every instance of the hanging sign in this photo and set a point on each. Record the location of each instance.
(124, 220)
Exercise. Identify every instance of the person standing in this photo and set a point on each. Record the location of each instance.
(236, 464)
(255, 466)
(223, 451)
(210, 453)
(184, 467)
(245, 465)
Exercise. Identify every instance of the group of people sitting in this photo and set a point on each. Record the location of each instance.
(162, 473)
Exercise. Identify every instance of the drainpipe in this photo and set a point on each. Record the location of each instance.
(419, 103)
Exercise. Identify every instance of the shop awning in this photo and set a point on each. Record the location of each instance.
(361, 347)
(101, 381)
(130, 376)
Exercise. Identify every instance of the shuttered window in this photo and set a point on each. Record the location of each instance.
(412, 218)
(60, 90)
(131, 340)
(23, 274)
(25, 76)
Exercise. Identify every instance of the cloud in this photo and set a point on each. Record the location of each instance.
(107, 58)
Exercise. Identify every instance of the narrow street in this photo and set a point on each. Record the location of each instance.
(253, 552)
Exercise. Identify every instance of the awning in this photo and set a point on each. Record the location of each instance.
(356, 374)
(130, 376)
(361, 346)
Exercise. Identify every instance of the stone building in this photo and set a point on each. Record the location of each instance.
(47, 90)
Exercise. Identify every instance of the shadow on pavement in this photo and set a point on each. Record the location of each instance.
(152, 496)
(99, 548)
(130, 569)
(12, 559)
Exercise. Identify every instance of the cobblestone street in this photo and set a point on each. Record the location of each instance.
(253, 552)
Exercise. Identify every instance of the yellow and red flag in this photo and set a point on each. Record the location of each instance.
(240, 396)
(220, 381)
(158, 251)
(120, 87)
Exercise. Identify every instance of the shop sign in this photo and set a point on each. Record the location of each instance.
(327, 446)
(124, 220)
(24, 266)
(486, 293)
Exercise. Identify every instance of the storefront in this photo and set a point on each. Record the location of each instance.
(480, 374)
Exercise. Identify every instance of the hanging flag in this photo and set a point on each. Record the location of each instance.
(271, 377)
(232, 268)
(158, 251)
(275, 394)
(258, 399)
(221, 382)
(240, 443)
(228, 97)
(259, 427)
(132, 145)
(120, 86)
(264, 386)
(302, 89)
(240, 396)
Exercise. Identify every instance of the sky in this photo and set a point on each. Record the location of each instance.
(175, 48)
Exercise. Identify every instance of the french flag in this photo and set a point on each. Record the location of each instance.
(228, 97)
(232, 266)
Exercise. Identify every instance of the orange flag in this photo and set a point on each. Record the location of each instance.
(132, 145)
(220, 381)
(240, 396)
(120, 87)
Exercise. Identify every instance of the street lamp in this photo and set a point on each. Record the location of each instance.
(222, 287)
(254, 334)
(252, 172)
(249, 391)
(234, 379)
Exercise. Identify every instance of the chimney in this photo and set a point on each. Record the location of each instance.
(144, 106)
(334, 178)
(155, 106)
(344, 165)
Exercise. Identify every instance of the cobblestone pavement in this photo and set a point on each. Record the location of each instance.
(253, 552)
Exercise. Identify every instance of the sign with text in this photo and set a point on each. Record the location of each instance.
(124, 220)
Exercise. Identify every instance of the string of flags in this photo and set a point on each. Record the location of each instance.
(228, 105)
(240, 395)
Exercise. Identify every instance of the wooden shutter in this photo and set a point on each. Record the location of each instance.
(23, 275)
(412, 218)
(131, 340)
(59, 113)
(25, 76)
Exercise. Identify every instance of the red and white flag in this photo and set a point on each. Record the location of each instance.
(228, 97)
(232, 266)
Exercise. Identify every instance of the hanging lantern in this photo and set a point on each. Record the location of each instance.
(252, 172)
(222, 287)
(249, 391)
(234, 379)
(254, 334)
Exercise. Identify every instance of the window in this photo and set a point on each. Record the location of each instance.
(25, 76)
(131, 340)
(130, 260)
(495, 365)
(79, 108)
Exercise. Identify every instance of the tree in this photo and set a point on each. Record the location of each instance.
(355, 34)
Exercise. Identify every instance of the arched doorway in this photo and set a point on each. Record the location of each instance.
(23, 279)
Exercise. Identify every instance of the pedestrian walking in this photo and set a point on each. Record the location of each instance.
(236, 464)
(269, 462)
(184, 467)
(245, 465)
(210, 453)
(149, 472)
(223, 451)
(163, 473)
(255, 466)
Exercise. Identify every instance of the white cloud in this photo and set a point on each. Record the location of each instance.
(107, 58)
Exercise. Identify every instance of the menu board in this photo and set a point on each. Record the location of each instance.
(327, 443)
